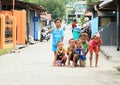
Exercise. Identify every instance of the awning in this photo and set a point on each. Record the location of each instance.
(106, 2)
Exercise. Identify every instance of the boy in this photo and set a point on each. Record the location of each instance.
(70, 50)
(60, 54)
(57, 35)
(84, 40)
(79, 53)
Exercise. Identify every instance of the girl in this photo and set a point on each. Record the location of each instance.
(94, 46)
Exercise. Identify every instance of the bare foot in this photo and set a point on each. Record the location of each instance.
(96, 66)
(91, 66)
(54, 64)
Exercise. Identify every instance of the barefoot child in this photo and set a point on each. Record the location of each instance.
(79, 53)
(94, 46)
(60, 54)
(57, 35)
(84, 40)
(70, 50)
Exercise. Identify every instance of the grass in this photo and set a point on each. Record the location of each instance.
(5, 51)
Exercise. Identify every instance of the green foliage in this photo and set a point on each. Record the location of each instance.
(88, 1)
(81, 22)
(5, 51)
(55, 7)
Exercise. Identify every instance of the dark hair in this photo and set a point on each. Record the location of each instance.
(74, 20)
(71, 39)
(58, 42)
(57, 19)
(84, 34)
(77, 41)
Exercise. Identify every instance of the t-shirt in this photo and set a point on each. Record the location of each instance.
(80, 53)
(57, 35)
(92, 43)
(99, 41)
(73, 25)
(85, 46)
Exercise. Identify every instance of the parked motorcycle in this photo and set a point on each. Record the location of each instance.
(44, 35)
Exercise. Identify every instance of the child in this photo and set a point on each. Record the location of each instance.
(57, 35)
(70, 50)
(60, 54)
(76, 33)
(94, 45)
(79, 53)
(99, 40)
(84, 40)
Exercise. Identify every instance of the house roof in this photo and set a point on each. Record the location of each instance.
(23, 5)
(108, 5)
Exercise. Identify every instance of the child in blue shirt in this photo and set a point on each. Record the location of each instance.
(57, 35)
(79, 53)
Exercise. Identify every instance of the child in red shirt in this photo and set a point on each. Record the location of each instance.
(94, 45)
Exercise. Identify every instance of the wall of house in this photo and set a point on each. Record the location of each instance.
(109, 34)
(20, 24)
(31, 29)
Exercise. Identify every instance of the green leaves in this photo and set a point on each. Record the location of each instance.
(55, 7)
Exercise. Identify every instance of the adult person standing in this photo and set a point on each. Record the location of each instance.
(87, 27)
(74, 24)
(57, 35)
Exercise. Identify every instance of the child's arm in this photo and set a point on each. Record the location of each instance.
(51, 30)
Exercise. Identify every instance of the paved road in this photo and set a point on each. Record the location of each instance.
(33, 66)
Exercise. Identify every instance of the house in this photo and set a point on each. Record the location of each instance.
(106, 19)
(27, 19)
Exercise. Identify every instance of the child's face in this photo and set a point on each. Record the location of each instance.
(84, 38)
(96, 39)
(58, 23)
(60, 45)
(78, 44)
(72, 43)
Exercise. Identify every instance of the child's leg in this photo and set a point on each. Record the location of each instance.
(69, 57)
(96, 60)
(54, 48)
(91, 54)
(75, 60)
(55, 59)
(96, 50)
(63, 60)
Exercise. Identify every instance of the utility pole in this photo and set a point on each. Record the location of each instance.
(118, 25)
(0, 5)
(13, 6)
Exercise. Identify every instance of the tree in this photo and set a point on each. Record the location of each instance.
(55, 7)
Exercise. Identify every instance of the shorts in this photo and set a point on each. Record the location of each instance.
(91, 48)
(54, 48)
(82, 63)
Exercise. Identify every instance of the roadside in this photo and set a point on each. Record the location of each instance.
(112, 55)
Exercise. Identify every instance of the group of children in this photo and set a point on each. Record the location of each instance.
(77, 49)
